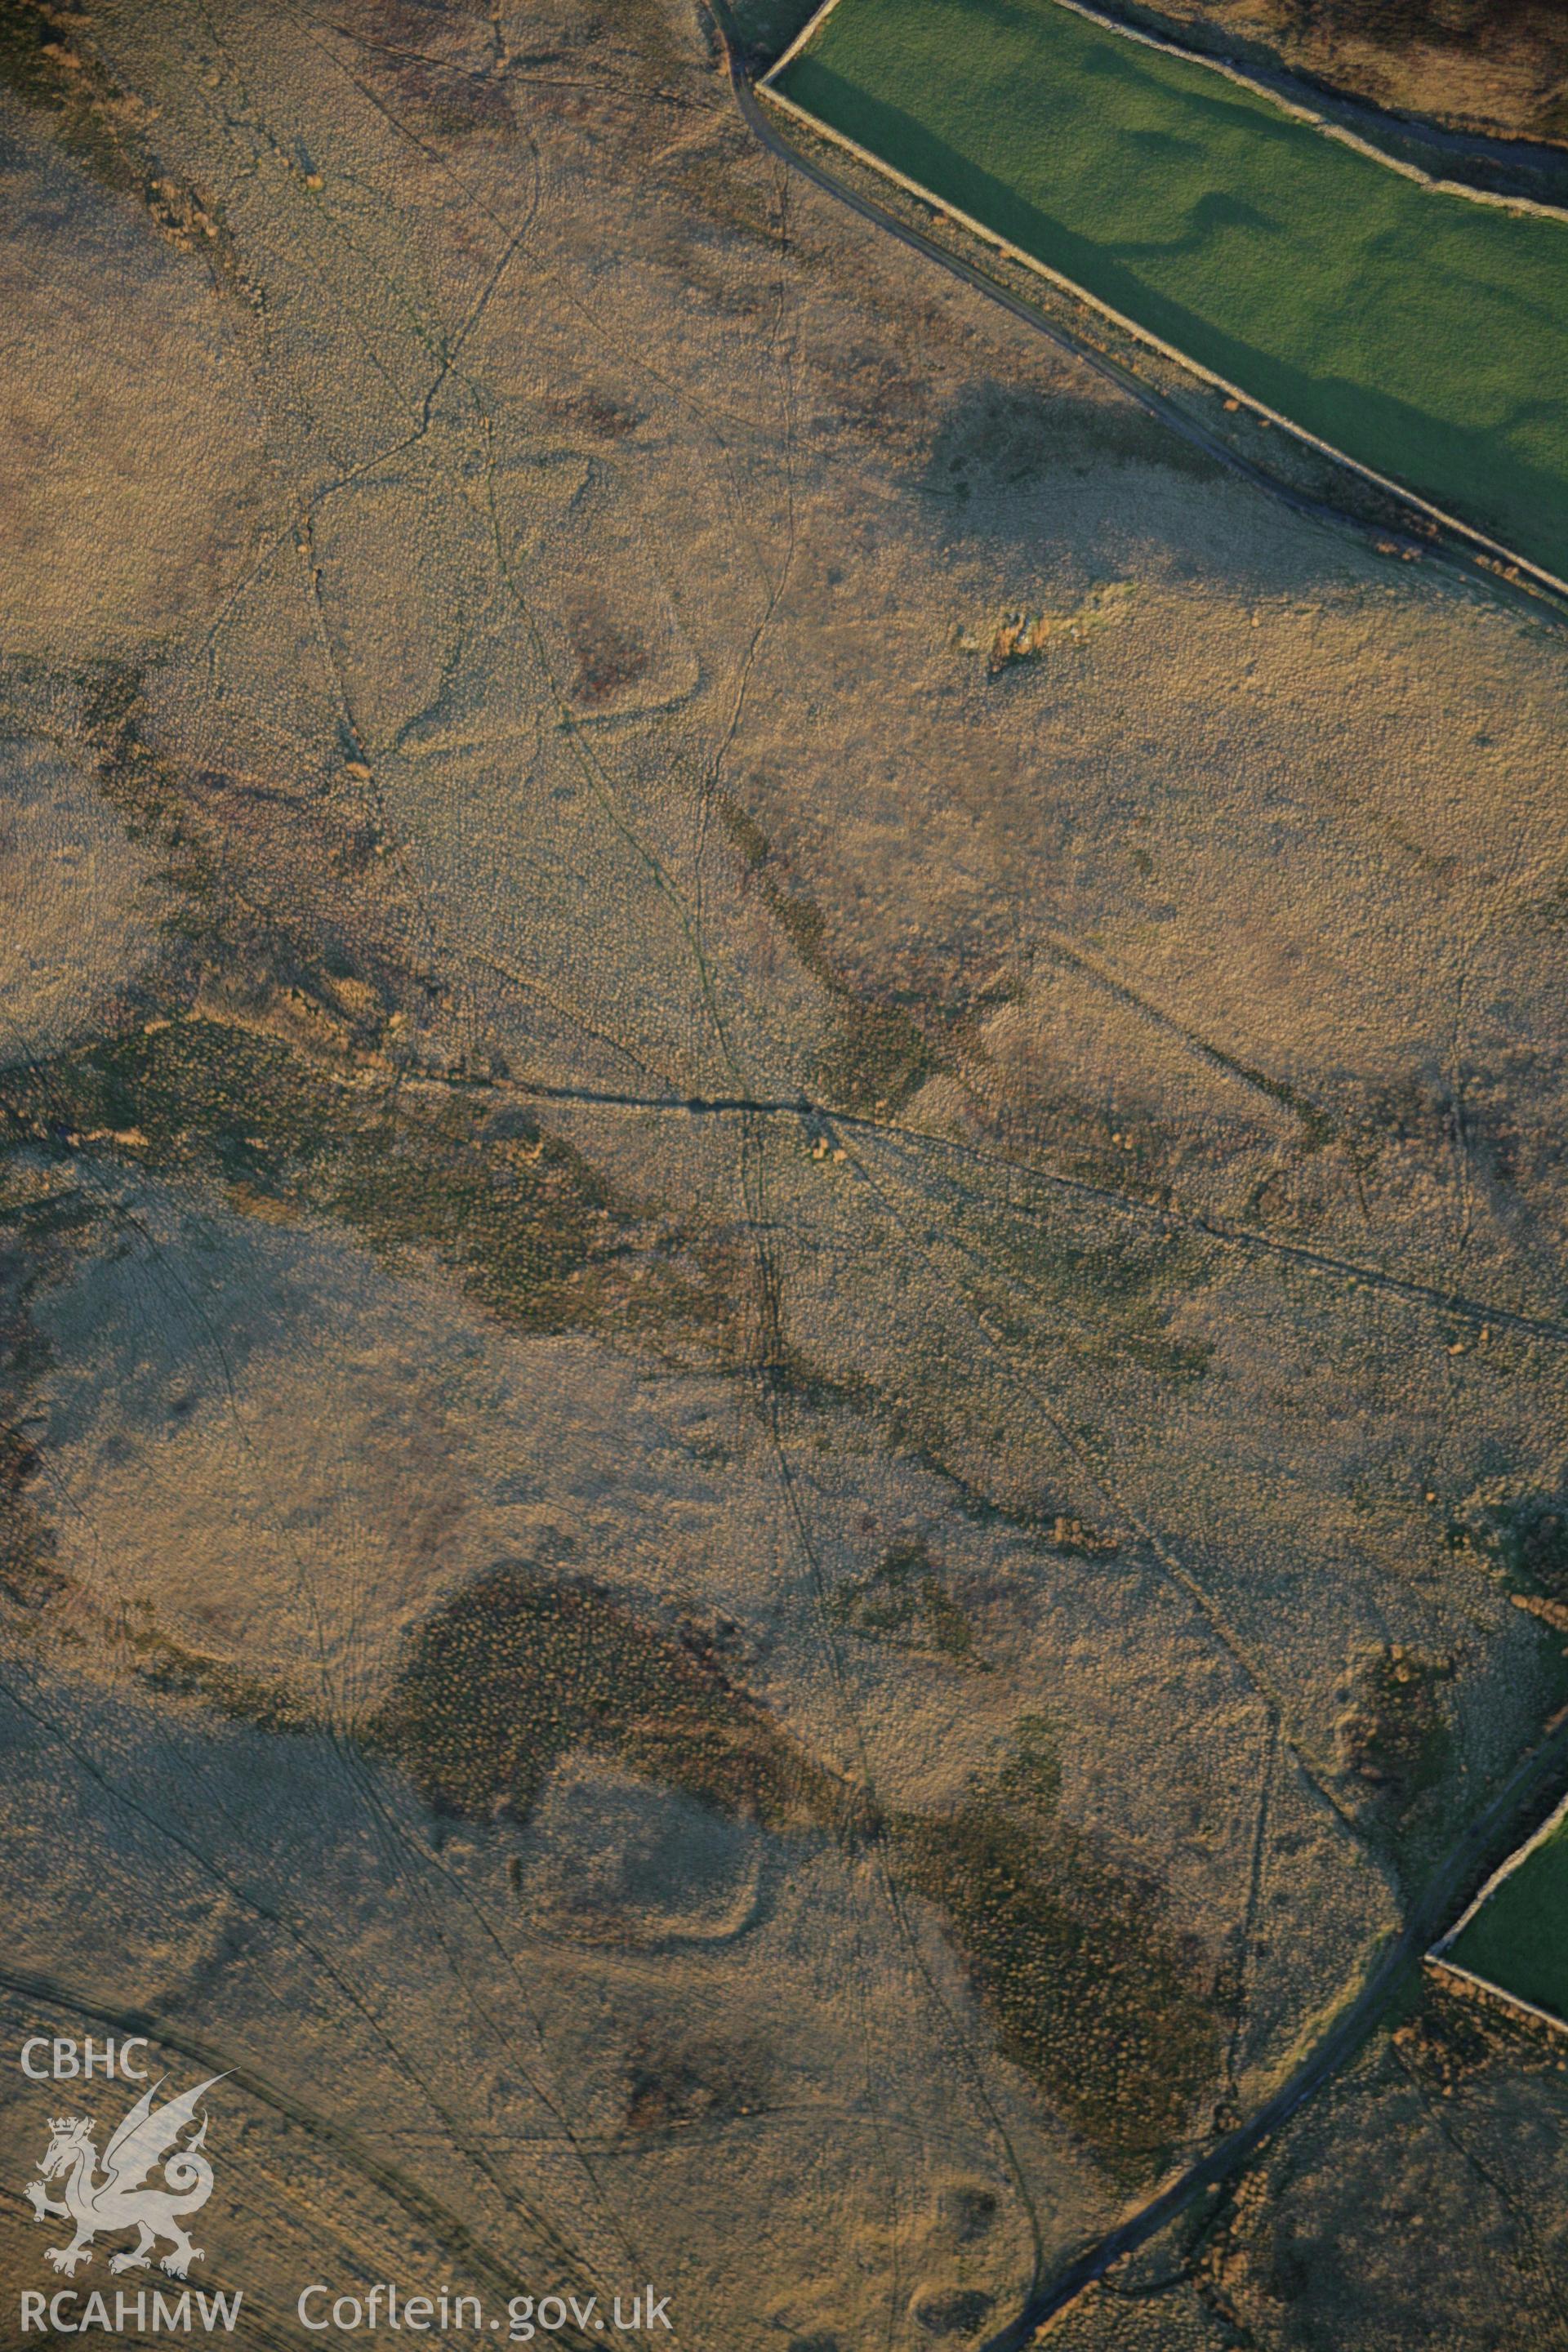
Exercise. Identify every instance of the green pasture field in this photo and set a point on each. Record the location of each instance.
(1518, 1937)
(1422, 333)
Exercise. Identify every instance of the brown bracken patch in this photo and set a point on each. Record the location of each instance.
(609, 657)
(518, 1670)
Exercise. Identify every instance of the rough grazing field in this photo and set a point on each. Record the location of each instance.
(1519, 1939)
(783, 1165)
(1424, 334)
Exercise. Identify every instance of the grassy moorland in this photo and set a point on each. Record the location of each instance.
(1422, 333)
(1520, 1939)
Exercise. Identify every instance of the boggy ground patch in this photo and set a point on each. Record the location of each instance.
(693, 2079)
(906, 1600)
(881, 1055)
(41, 1233)
(1524, 1536)
(522, 1220)
(268, 1701)
(1394, 1735)
(610, 656)
(41, 65)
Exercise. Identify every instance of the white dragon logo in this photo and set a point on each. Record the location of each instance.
(116, 2197)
